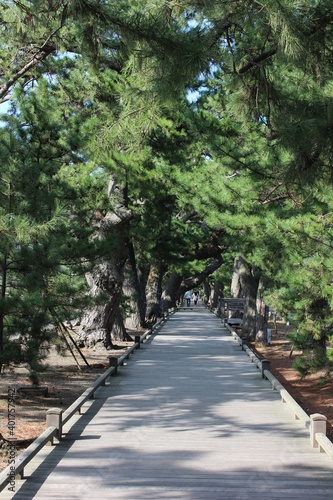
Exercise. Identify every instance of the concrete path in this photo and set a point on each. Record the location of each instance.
(188, 417)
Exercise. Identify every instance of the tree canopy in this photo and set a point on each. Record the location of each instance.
(212, 122)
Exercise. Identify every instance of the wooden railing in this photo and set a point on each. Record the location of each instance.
(316, 423)
(56, 418)
(324, 444)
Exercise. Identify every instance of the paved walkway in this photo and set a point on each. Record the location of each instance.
(188, 417)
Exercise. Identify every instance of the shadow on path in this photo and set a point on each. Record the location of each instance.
(188, 417)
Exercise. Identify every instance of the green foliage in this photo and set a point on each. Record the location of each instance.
(314, 355)
(46, 223)
(246, 168)
(11, 353)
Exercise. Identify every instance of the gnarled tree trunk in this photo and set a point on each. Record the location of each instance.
(262, 315)
(108, 276)
(170, 294)
(154, 291)
(216, 294)
(132, 318)
(134, 291)
(207, 292)
(118, 331)
(245, 284)
(198, 279)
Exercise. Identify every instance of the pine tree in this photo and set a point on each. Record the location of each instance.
(243, 170)
(46, 245)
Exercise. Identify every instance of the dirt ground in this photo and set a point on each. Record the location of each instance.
(65, 383)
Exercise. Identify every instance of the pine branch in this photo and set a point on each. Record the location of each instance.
(262, 57)
(267, 198)
(262, 174)
(43, 51)
(277, 198)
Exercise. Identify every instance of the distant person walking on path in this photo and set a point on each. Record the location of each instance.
(188, 298)
(196, 298)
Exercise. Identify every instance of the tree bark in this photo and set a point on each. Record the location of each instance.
(216, 294)
(4, 270)
(134, 292)
(170, 294)
(197, 280)
(119, 331)
(245, 284)
(130, 293)
(207, 292)
(236, 286)
(108, 275)
(262, 316)
(154, 291)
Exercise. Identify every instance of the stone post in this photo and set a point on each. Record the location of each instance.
(54, 419)
(265, 365)
(318, 424)
(113, 362)
(138, 341)
(244, 343)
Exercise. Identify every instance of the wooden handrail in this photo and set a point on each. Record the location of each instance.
(88, 394)
(299, 413)
(17, 468)
(324, 444)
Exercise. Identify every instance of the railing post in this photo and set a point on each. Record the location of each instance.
(19, 475)
(54, 419)
(318, 424)
(265, 365)
(113, 362)
(138, 341)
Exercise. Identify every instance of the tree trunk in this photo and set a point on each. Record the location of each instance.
(97, 322)
(134, 292)
(4, 286)
(245, 284)
(154, 291)
(197, 280)
(119, 331)
(2, 316)
(216, 294)
(207, 291)
(170, 293)
(108, 275)
(236, 286)
(130, 294)
(262, 316)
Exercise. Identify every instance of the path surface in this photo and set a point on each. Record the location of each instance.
(188, 417)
